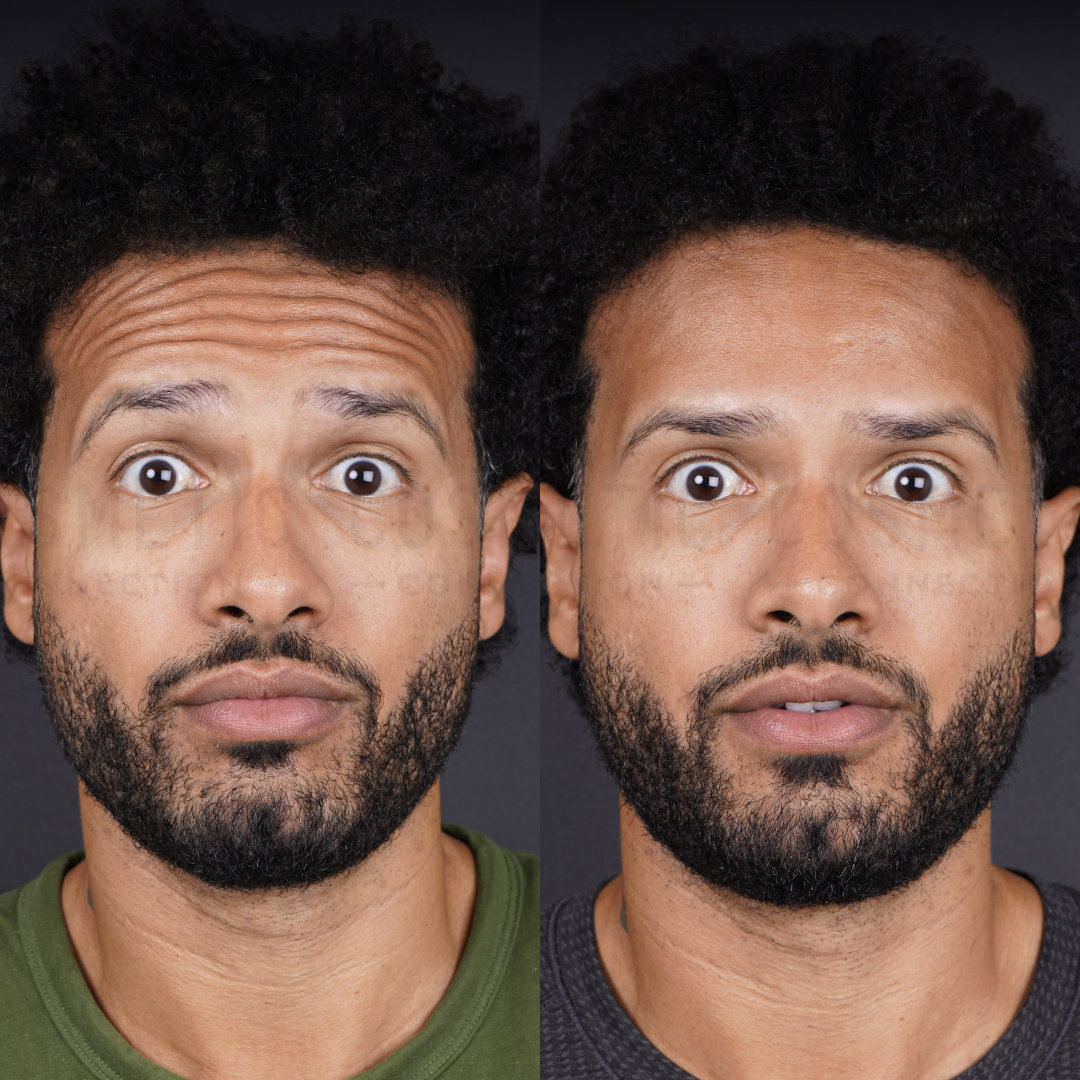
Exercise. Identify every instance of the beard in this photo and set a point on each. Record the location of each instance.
(265, 820)
(815, 838)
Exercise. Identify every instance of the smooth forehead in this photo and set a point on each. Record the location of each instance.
(260, 307)
(802, 312)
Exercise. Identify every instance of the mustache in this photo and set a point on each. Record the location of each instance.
(241, 645)
(789, 649)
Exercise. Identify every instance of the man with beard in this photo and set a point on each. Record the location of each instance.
(257, 505)
(813, 392)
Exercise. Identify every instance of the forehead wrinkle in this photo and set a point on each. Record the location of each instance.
(139, 294)
(177, 319)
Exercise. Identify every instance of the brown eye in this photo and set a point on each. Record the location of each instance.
(158, 475)
(363, 476)
(914, 482)
(705, 481)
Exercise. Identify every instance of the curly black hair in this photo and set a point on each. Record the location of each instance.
(894, 140)
(185, 130)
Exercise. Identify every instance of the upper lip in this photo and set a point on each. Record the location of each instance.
(250, 682)
(826, 686)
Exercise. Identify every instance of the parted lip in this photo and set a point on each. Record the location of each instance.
(818, 686)
(241, 681)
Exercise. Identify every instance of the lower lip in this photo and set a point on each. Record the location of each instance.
(834, 730)
(265, 718)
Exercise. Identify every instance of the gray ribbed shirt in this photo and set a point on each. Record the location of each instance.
(586, 1035)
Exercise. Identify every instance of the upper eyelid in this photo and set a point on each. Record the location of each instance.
(723, 460)
(393, 462)
(160, 451)
(691, 458)
(909, 460)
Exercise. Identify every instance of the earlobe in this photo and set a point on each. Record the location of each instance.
(500, 517)
(1057, 526)
(17, 562)
(561, 532)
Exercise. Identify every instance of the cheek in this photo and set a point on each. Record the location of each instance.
(667, 597)
(952, 610)
(394, 603)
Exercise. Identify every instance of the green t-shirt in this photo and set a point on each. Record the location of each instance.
(485, 1028)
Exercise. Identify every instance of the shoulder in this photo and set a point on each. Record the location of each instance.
(572, 991)
(32, 933)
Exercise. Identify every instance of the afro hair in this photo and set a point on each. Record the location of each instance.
(893, 140)
(185, 130)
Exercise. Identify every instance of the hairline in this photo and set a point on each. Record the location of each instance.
(413, 285)
(587, 370)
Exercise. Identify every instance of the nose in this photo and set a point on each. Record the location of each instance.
(812, 573)
(265, 573)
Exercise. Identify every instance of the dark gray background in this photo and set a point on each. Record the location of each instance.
(492, 781)
(1031, 49)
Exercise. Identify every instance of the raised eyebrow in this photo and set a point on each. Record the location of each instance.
(892, 427)
(736, 424)
(350, 403)
(170, 397)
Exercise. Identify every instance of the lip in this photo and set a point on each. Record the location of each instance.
(246, 703)
(828, 686)
(868, 713)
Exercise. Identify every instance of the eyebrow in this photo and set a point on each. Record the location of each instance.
(738, 424)
(752, 423)
(186, 397)
(920, 426)
(350, 403)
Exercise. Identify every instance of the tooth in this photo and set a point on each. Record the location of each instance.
(825, 706)
(812, 706)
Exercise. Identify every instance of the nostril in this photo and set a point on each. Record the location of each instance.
(846, 616)
(235, 612)
(783, 616)
(299, 611)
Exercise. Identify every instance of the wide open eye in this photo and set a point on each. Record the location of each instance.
(914, 481)
(363, 476)
(159, 474)
(705, 481)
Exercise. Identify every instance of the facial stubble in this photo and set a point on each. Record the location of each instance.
(261, 819)
(815, 838)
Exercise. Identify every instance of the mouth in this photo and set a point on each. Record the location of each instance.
(831, 712)
(246, 703)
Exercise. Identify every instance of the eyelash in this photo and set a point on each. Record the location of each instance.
(911, 460)
(405, 474)
(672, 469)
(150, 451)
(960, 485)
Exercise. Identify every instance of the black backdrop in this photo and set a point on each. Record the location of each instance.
(526, 771)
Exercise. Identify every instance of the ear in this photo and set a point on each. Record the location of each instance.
(1054, 534)
(501, 514)
(560, 528)
(17, 561)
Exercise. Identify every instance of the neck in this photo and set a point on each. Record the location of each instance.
(320, 982)
(921, 982)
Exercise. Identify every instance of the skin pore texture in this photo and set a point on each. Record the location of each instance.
(802, 336)
(290, 372)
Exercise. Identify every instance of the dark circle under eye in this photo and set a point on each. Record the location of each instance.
(157, 477)
(914, 484)
(705, 482)
(363, 477)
